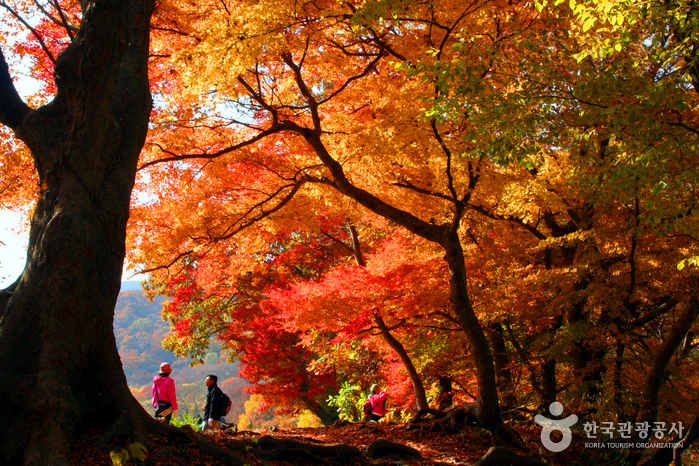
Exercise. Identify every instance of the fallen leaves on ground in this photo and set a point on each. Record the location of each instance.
(464, 447)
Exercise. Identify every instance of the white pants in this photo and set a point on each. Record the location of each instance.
(214, 425)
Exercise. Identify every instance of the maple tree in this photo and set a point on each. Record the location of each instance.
(272, 358)
(304, 127)
(389, 292)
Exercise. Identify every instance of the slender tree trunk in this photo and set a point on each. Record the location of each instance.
(549, 387)
(502, 361)
(487, 404)
(672, 341)
(325, 417)
(618, 371)
(587, 360)
(356, 247)
(61, 371)
(446, 392)
(418, 387)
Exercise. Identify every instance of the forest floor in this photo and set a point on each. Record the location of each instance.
(464, 447)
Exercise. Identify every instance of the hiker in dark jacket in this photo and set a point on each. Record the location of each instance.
(213, 409)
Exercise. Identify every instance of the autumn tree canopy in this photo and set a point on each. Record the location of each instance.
(504, 190)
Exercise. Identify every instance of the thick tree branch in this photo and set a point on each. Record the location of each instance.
(654, 379)
(644, 319)
(408, 185)
(368, 200)
(12, 108)
(530, 228)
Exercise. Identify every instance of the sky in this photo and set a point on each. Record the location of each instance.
(13, 251)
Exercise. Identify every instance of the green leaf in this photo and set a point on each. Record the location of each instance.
(119, 458)
(589, 23)
(138, 451)
(580, 56)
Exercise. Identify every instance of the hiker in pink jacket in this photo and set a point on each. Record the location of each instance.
(378, 406)
(164, 397)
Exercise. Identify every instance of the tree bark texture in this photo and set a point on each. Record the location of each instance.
(60, 371)
(326, 418)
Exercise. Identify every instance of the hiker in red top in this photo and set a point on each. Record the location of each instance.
(164, 397)
(377, 400)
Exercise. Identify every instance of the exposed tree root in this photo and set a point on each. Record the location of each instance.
(665, 456)
(290, 448)
(222, 455)
(135, 425)
(455, 418)
(450, 419)
(437, 413)
(383, 447)
(498, 456)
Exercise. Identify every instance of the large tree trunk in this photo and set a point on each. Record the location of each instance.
(60, 371)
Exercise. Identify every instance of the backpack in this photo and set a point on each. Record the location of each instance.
(367, 408)
(225, 403)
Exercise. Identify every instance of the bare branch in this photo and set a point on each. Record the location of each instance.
(63, 22)
(371, 66)
(170, 264)
(227, 150)
(31, 29)
(230, 231)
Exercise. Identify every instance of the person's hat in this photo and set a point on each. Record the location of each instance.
(165, 368)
